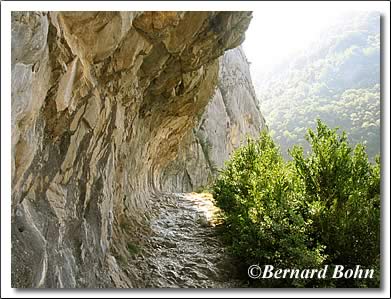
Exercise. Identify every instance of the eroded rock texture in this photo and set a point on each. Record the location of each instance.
(102, 104)
(231, 115)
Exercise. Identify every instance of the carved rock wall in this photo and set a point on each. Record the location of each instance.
(232, 114)
(101, 103)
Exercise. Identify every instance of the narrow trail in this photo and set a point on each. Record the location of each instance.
(184, 250)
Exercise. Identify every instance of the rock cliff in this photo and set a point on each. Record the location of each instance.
(108, 109)
(231, 115)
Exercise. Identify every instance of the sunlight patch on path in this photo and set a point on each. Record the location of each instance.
(185, 250)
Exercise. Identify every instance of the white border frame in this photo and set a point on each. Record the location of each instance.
(6, 7)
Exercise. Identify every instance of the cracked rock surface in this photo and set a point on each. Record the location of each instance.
(108, 110)
(184, 250)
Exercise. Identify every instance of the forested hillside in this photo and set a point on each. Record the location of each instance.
(337, 80)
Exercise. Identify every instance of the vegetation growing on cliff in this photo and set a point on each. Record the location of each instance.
(322, 207)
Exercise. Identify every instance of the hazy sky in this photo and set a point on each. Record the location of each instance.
(274, 34)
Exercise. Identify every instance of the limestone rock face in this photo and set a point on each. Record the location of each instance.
(231, 115)
(102, 103)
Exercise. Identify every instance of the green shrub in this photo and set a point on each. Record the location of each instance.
(345, 189)
(133, 249)
(264, 224)
(321, 208)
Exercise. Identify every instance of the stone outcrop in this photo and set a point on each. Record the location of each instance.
(231, 115)
(102, 103)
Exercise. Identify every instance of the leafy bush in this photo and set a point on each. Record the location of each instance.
(345, 188)
(321, 208)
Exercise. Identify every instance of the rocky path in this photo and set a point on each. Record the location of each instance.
(184, 250)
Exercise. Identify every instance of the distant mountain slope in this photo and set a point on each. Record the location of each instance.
(337, 79)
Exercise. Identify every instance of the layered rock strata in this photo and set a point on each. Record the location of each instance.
(102, 103)
(232, 114)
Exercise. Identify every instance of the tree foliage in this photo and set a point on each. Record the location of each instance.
(337, 79)
(322, 207)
